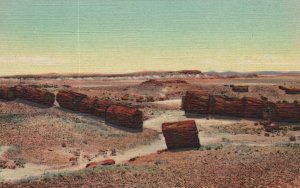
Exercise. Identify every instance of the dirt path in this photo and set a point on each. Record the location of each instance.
(208, 134)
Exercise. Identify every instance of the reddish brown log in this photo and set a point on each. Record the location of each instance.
(39, 96)
(183, 134)
(100, 107)
(124, 116)
(255, 108)
(240, 89)
(233, 107)
(287, 112)
(98, 163)
(196, 102)
(217, 104)
(70, 99)
(7, 93)
(290, 91)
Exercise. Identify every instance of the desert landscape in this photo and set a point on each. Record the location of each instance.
(150, 129)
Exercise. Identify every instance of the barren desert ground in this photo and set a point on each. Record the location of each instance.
(44, 146)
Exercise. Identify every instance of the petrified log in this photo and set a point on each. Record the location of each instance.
(124, 116)
(290, 91)
(40, 96)
(241, 89)
(255, 108)
(196, 102)
(98, 163)
(217, 104)
(183, 134)
(70, 100)
(7, 93)
(233, 107)
(287, 112)
(86, 105)
(100, 107)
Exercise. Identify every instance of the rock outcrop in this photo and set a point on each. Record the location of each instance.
(124, 116)
(183, 134)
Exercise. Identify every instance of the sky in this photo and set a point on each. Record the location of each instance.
(118, 36)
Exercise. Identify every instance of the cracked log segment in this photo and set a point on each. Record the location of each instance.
(124, 116)
(201, 103)
(255, 108)
(39, 96)
(225, 106)
(287, 112)
(240, 89)
(7, 93)
(290, 91)
(82, 103)
(182, 134)
(196, 102)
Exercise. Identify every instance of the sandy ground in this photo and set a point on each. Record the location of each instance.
(56, 144)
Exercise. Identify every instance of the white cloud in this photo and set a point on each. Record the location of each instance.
(28, 60)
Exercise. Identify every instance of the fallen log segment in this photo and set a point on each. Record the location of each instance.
(287, 112)
(82, 103)
(39, 96)
(255, 108)
(240, 89)
(7, 93)
(196, 102)
(245, 107)
(124, 116)
(120, 115)
(290, 91)
(183, 134)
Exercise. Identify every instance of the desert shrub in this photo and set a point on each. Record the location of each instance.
(292, 138)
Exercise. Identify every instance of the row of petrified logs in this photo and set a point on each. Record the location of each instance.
(39, 96)
(290, 91)
(203, 103)
(113, 113)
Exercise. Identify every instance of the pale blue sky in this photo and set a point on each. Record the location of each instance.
(134, 35)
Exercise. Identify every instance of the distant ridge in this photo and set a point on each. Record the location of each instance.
(93, 75)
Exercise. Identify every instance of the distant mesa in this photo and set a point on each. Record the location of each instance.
(162, 82)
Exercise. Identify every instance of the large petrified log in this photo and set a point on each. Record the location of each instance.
(40, 96)
(290, 91)
(124, 116)
(82, 103)
(255, 108)
(100, 107)
(7, 93)
(233, 107)
(217, 104)
(240, 89)
(196, 102)
(183, 134)
(287, 112)
(70, 100)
